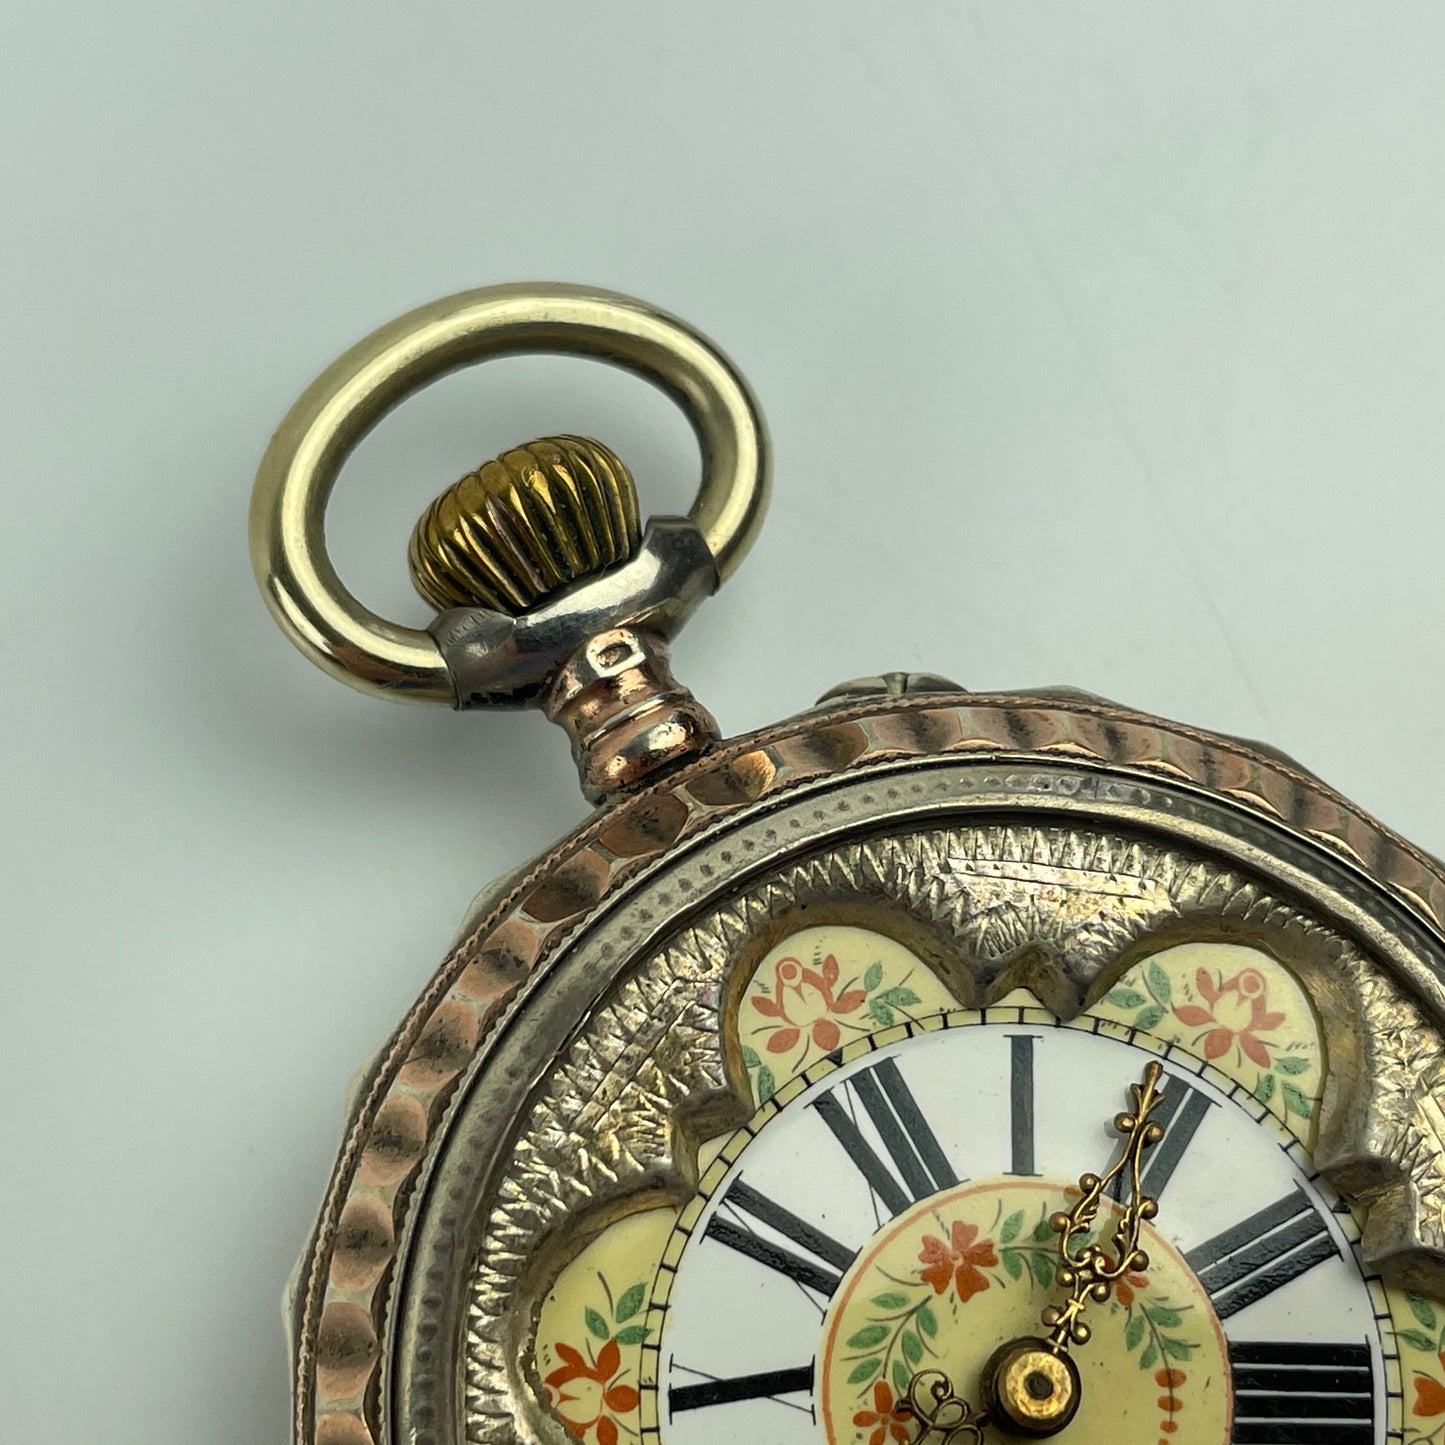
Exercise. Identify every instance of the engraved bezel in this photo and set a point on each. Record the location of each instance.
(573, 1047)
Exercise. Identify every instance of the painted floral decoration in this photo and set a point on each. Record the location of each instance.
(1429, 1393)
(592, 1389)
(1251, 1020)
(1425, 1339)
(795, 1012)
(590, 1396)
(898, 1329)
(1238, 1013)
(960, 1261)
(807, 998)
(887, 1419)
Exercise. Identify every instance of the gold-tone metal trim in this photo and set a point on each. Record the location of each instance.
(1087, 1271)
(300, 467)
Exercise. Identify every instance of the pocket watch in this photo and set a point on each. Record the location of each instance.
(928, 1068)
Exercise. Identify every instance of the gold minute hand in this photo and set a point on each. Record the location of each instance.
(1087, 1271)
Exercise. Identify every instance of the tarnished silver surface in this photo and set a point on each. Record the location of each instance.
(499, 661)
(1093, 872)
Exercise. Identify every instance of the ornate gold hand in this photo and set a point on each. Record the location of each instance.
(1031, 1386)
(946, 1419)
(1088, 1273)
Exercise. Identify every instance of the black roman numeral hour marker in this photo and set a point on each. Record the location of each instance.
(1302, 1394)
(819, 1268)
(767, 1386)
(1179, 1113)
(916, 1166)
(1021, 1103)
(1261, 1254)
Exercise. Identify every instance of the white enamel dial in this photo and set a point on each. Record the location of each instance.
(888, 1212)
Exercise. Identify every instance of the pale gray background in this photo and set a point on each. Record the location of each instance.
(1101, 343)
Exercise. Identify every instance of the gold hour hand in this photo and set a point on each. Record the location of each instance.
(1031, 1386)
(1086, 1270)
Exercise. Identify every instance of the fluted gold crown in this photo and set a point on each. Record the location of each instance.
(522, 526)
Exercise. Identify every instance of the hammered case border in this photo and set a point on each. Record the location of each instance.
(340, 1314)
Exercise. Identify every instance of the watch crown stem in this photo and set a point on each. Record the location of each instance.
(626, 714)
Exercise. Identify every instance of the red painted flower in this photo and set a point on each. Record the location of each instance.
(1238, 1012)
(885, 1418)
(1130, 1285)
(1429, 1393)
(807, 998)
(957, 1261)
(589, 1396)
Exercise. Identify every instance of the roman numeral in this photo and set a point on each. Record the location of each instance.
(1261, 1254)
(1302, 1394)
(1179, 1113)
(767, 1386)
(1021, 1103)
(820, 1268)
(916, 1166)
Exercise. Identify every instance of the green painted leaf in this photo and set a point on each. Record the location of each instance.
(1176, 1349)
(1418, 1340)
(1013, 1262)
(1423, 1311)
(633, 1335)
(1044, 1231)
(902, 1380)
(899, 997)
(1151, 1018)
(750, 1057)
(1296, 1101)
(1292, 1064)
(630, 1302)
(1159, 984)
(1011, 1227)
(597, 1325)
(880, 1013)
(891, 1301)
(873, 977)
(1134, 1333)
(1264, 1088)
(864, 1370)
(1164, 1317)
(1043, 1269)
(1150, 1355)
(767, 1084)
(927, 1320)
(912, 1347)
(1125, 998)
(868, 1337)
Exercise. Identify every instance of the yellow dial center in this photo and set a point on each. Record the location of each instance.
(948, 1282)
